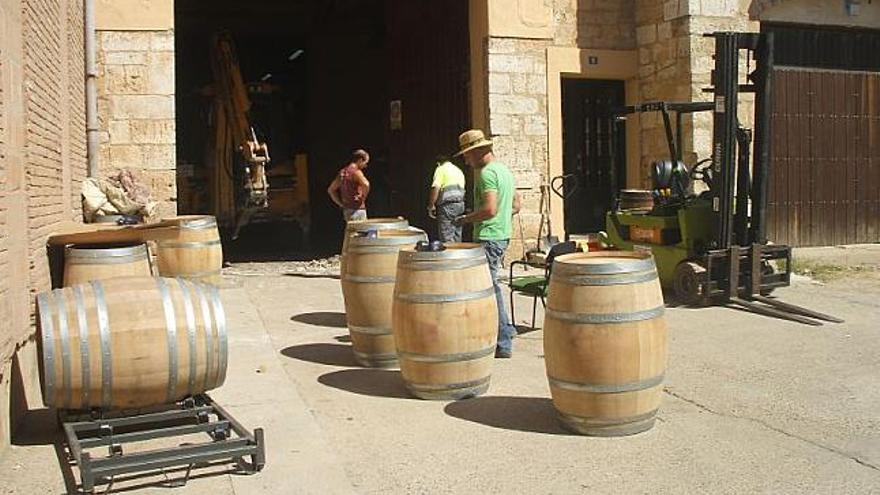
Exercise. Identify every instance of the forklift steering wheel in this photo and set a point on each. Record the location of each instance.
(702, 171)
(558, 183)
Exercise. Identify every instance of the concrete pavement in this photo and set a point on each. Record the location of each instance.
(753, 405)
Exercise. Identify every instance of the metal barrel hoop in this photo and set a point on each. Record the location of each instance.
(83, 328)
(64, 335)
(171, 337)
(106, 256)
(106, 344)
(47, 334)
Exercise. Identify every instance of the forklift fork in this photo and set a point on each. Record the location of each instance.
(751, 298)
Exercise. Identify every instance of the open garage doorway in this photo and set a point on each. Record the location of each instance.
(320, 78)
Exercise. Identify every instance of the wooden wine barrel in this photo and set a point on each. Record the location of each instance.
(368, 288)
(636, 199)
(445, 321)
(605, 342)
(351, 228)
(86, 263)
(196, 253)
(130, 342)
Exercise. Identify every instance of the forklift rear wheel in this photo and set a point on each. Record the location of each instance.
(688, 283)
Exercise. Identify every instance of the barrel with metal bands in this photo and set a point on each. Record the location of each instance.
(368, 289)
(86, 263)
(445, 321)
(195, 253)
(605, 342)
(130, 342)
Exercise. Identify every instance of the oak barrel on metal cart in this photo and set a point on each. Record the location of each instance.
(605, 342)
(195, 253)
(368, 289)
(353, 227)
(445, 321)
(130, 342)
(86, 263)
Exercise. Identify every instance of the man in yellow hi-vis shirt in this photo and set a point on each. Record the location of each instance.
(446, 200)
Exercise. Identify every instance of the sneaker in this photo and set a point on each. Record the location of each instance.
(502, 353)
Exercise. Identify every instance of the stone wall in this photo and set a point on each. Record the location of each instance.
(664, 41)
(518, 118)
(516, 53)
(136, 109)
(706, 17)
(606, 24)
(42, 163)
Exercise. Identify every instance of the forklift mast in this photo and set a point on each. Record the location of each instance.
(731, 143)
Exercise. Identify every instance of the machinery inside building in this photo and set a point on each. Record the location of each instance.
(317, 80)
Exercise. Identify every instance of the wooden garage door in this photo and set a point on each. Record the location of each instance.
(430, 77)
(825, 179)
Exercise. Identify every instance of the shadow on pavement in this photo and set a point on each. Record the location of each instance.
(321, 319)
(330, 354)
(342, 338)
(373, 382)
(530, 414)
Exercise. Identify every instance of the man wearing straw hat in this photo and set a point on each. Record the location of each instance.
(495, 203)
(350, 188)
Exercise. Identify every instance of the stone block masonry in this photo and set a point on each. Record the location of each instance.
(518, 120)
(136, 109)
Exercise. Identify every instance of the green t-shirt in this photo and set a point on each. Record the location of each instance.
(495, 177)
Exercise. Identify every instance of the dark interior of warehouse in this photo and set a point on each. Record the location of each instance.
(322, 78)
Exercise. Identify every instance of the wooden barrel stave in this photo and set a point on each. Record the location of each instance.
(107, 344)
(195, 253)
(83, 264)
(445, 323)
(368, 289)
(605, 345)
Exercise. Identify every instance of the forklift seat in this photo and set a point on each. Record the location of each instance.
(536, 286)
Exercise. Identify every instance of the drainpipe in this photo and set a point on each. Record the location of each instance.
(92, 128)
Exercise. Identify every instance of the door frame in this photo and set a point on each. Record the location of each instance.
(588, 64)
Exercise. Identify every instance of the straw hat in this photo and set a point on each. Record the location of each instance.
(470, 140)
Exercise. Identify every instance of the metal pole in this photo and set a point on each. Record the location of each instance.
(92, 128)
(763, 152)
(725, 79)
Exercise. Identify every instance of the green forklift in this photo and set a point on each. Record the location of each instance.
(711, 246)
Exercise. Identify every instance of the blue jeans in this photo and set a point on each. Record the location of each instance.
(495, 254)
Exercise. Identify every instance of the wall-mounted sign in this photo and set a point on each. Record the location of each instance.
(395, 111)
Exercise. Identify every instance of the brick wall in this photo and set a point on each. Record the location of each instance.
(42, 162)
(136, 109)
